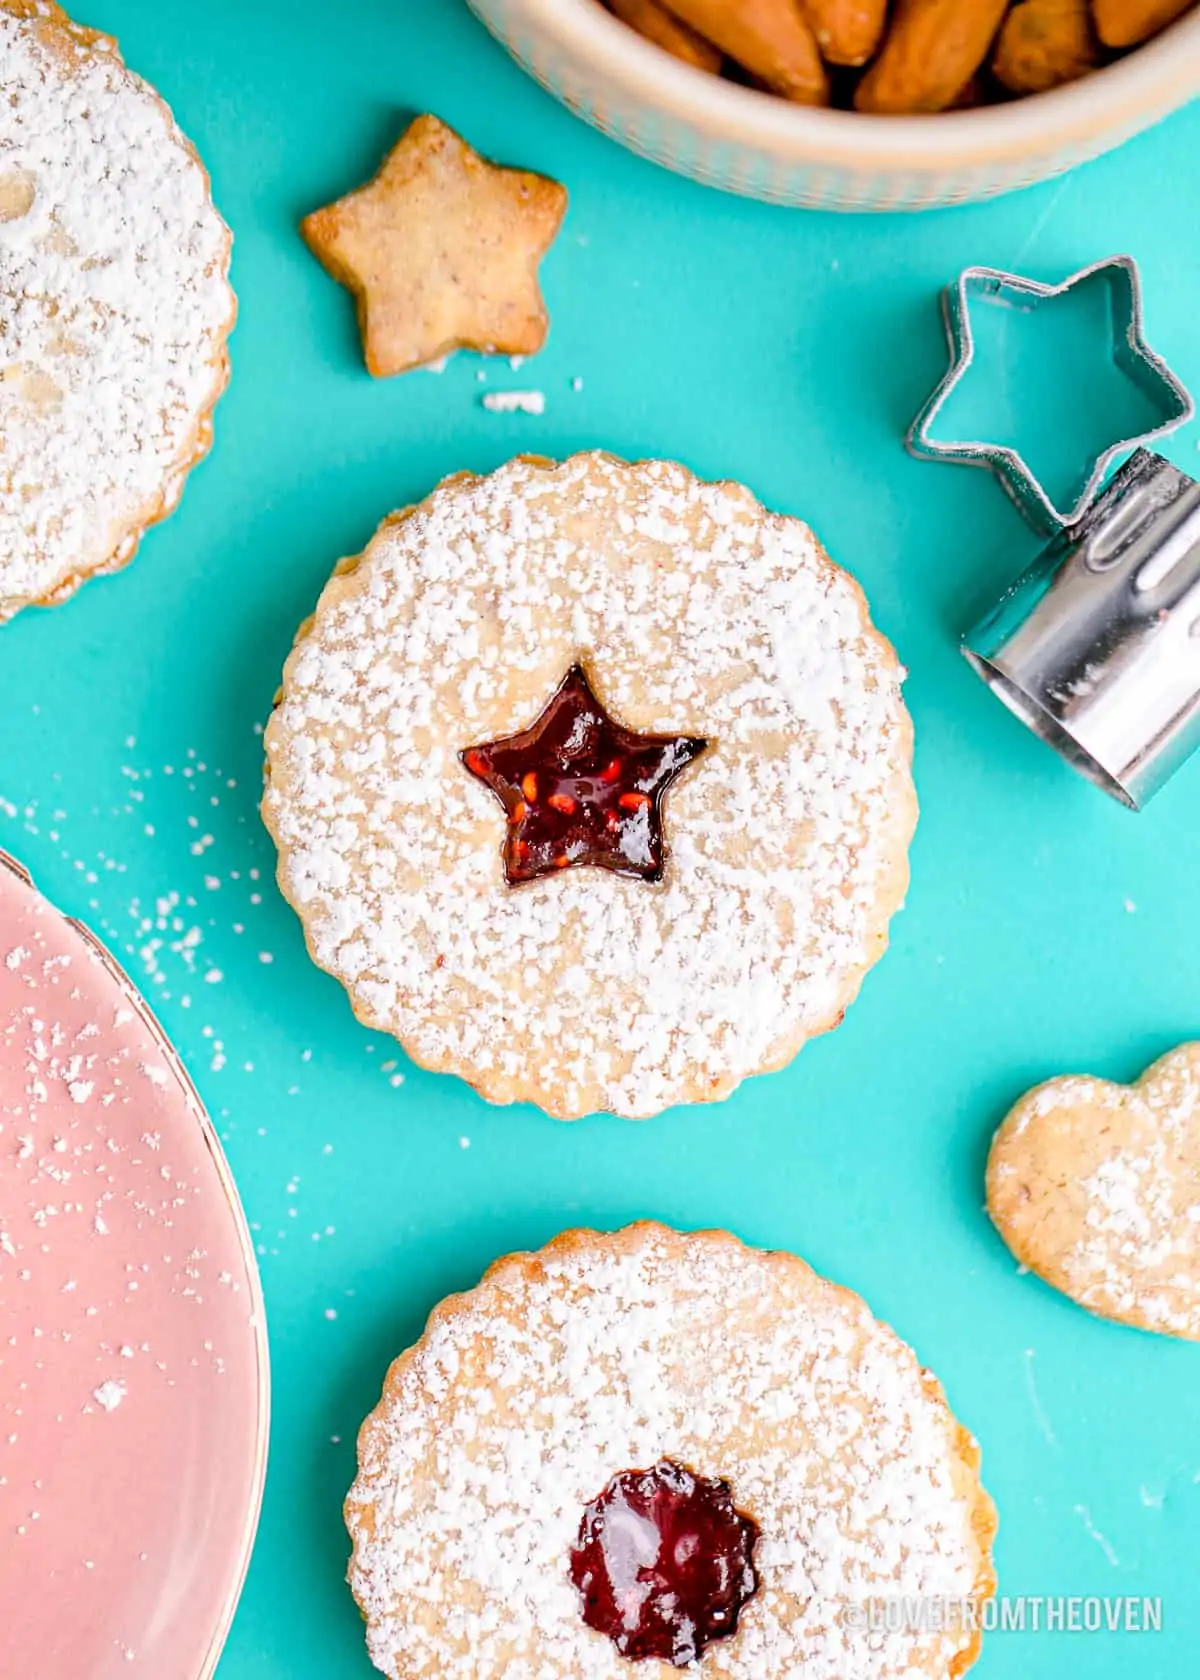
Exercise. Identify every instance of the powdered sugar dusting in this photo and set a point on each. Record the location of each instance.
(695, 612)
(114, 306)
(602, 1355)
(1140, 1251)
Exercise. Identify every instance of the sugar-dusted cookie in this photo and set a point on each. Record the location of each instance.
(656, 1447)
(441, 251)
(115, 306)
(615, 899)
(1096, 1188)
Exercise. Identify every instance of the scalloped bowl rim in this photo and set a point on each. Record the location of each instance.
(1116, 100)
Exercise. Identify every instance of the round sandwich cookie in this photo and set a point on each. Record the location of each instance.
(644, 1451)
(591, 783)
(115, 306)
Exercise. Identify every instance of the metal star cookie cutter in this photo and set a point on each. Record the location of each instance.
(1130, 351)
(1097, 647)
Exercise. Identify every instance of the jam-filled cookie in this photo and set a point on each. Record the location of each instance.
(666, 1450)
(591, 782)
(115, 306)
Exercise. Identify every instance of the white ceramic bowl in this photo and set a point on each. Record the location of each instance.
(752, 143)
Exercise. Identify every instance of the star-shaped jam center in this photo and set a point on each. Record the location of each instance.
(577, 788)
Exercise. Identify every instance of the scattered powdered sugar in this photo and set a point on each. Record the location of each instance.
(695, 612)
(604, 1354)
(182, 927)
(114, 306)
(109, 1395)
(515, 402)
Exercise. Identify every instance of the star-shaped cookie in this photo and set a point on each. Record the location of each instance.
(441, 251)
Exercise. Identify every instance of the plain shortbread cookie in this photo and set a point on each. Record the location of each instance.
(441, 251)
(1096, 1188)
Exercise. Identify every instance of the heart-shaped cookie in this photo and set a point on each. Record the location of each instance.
(1096, 1188)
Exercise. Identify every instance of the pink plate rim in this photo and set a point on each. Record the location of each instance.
(233, 1203)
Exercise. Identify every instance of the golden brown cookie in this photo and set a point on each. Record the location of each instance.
(441, 251)
(1096, 1188)
(115, 306)
(732, 923)
(766, 1415)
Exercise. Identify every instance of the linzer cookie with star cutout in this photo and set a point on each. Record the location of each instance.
(639, 1453)
(591, 783)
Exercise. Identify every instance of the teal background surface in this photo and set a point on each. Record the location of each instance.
(1047, 930)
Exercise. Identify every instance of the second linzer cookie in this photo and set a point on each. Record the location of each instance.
(591, 782)
(639, 1452)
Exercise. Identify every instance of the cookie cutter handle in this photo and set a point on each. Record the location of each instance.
(1097, 647)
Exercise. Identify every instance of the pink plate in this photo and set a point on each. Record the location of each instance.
(133, 1354)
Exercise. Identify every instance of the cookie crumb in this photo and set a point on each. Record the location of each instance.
(515, 402)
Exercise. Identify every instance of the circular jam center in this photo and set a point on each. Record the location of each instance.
(664, 1563)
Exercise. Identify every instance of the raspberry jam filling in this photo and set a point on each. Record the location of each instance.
(579, 789)
(664, 1563)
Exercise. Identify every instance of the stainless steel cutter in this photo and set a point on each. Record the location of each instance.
(1097, 647)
